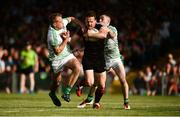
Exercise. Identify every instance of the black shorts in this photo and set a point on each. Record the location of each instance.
(27, 71)
(94, 63)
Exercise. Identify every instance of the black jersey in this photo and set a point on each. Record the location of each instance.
(94, 46)
(94, 53)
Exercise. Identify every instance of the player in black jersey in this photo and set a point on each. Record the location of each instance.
(93, 60)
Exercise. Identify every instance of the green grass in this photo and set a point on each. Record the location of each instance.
(41, 105)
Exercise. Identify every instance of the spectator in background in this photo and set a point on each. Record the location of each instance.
(171, 60)
(5, 78)
(153, 83)
(14, 53)
(2, 67)
(140, 83)
(173, 81)
(29, 65)
(8, 71)
(2, 63)
(148, 77)
(178, 80)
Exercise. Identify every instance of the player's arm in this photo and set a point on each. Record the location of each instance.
(70, 19)
(102, 34)
(112, 33)
(67, 20)
(75, 20)
(78, 22)
(58, 49)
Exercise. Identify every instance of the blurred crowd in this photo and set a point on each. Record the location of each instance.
(159, 80)
(147, 30)
(11, 69)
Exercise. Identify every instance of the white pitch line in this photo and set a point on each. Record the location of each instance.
(11, 111)
(42, 110)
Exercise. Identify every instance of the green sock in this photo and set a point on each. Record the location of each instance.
(126, 101)
(66, 90)
(90, 98)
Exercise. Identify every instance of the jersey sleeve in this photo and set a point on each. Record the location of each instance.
(113, 29)
(53, 39)
(65, 21)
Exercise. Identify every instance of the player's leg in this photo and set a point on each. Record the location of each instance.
(22, 83)
(75, 66)
(32, 82)
(53, 87)
(120, 71)
(80, 83)
(91, 93)
(88, 81)
(101, 83)
(89, 76)
(79, 87)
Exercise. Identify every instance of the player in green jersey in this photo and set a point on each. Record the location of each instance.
(113, 57)
(60, 56)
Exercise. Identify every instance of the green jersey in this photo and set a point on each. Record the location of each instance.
(54, 39)
(28, 58)
(111, 46)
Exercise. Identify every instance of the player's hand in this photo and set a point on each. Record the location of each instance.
(65, 35)
(105, 29)
(91, 33)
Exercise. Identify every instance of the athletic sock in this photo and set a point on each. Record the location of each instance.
(98, 94)
(126, 101)
(66, 89)
(90, 98)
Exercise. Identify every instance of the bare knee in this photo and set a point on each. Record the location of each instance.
(89, 83)
(77, 67)
(123, 82)
(122, 78)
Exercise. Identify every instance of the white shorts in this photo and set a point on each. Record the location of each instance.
(113, 63)
(57, 65)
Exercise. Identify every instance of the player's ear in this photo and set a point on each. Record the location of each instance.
(95, 20)
(54, 24)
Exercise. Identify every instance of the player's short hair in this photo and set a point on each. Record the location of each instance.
(28, 43)
(52, 17)
(91, 13)
(107, 16)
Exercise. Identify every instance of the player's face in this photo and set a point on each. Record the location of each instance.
(28, 47)
(58, 23)
(103, 20)
(90, 22)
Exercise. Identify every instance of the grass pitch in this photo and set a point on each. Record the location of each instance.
(41, 105)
